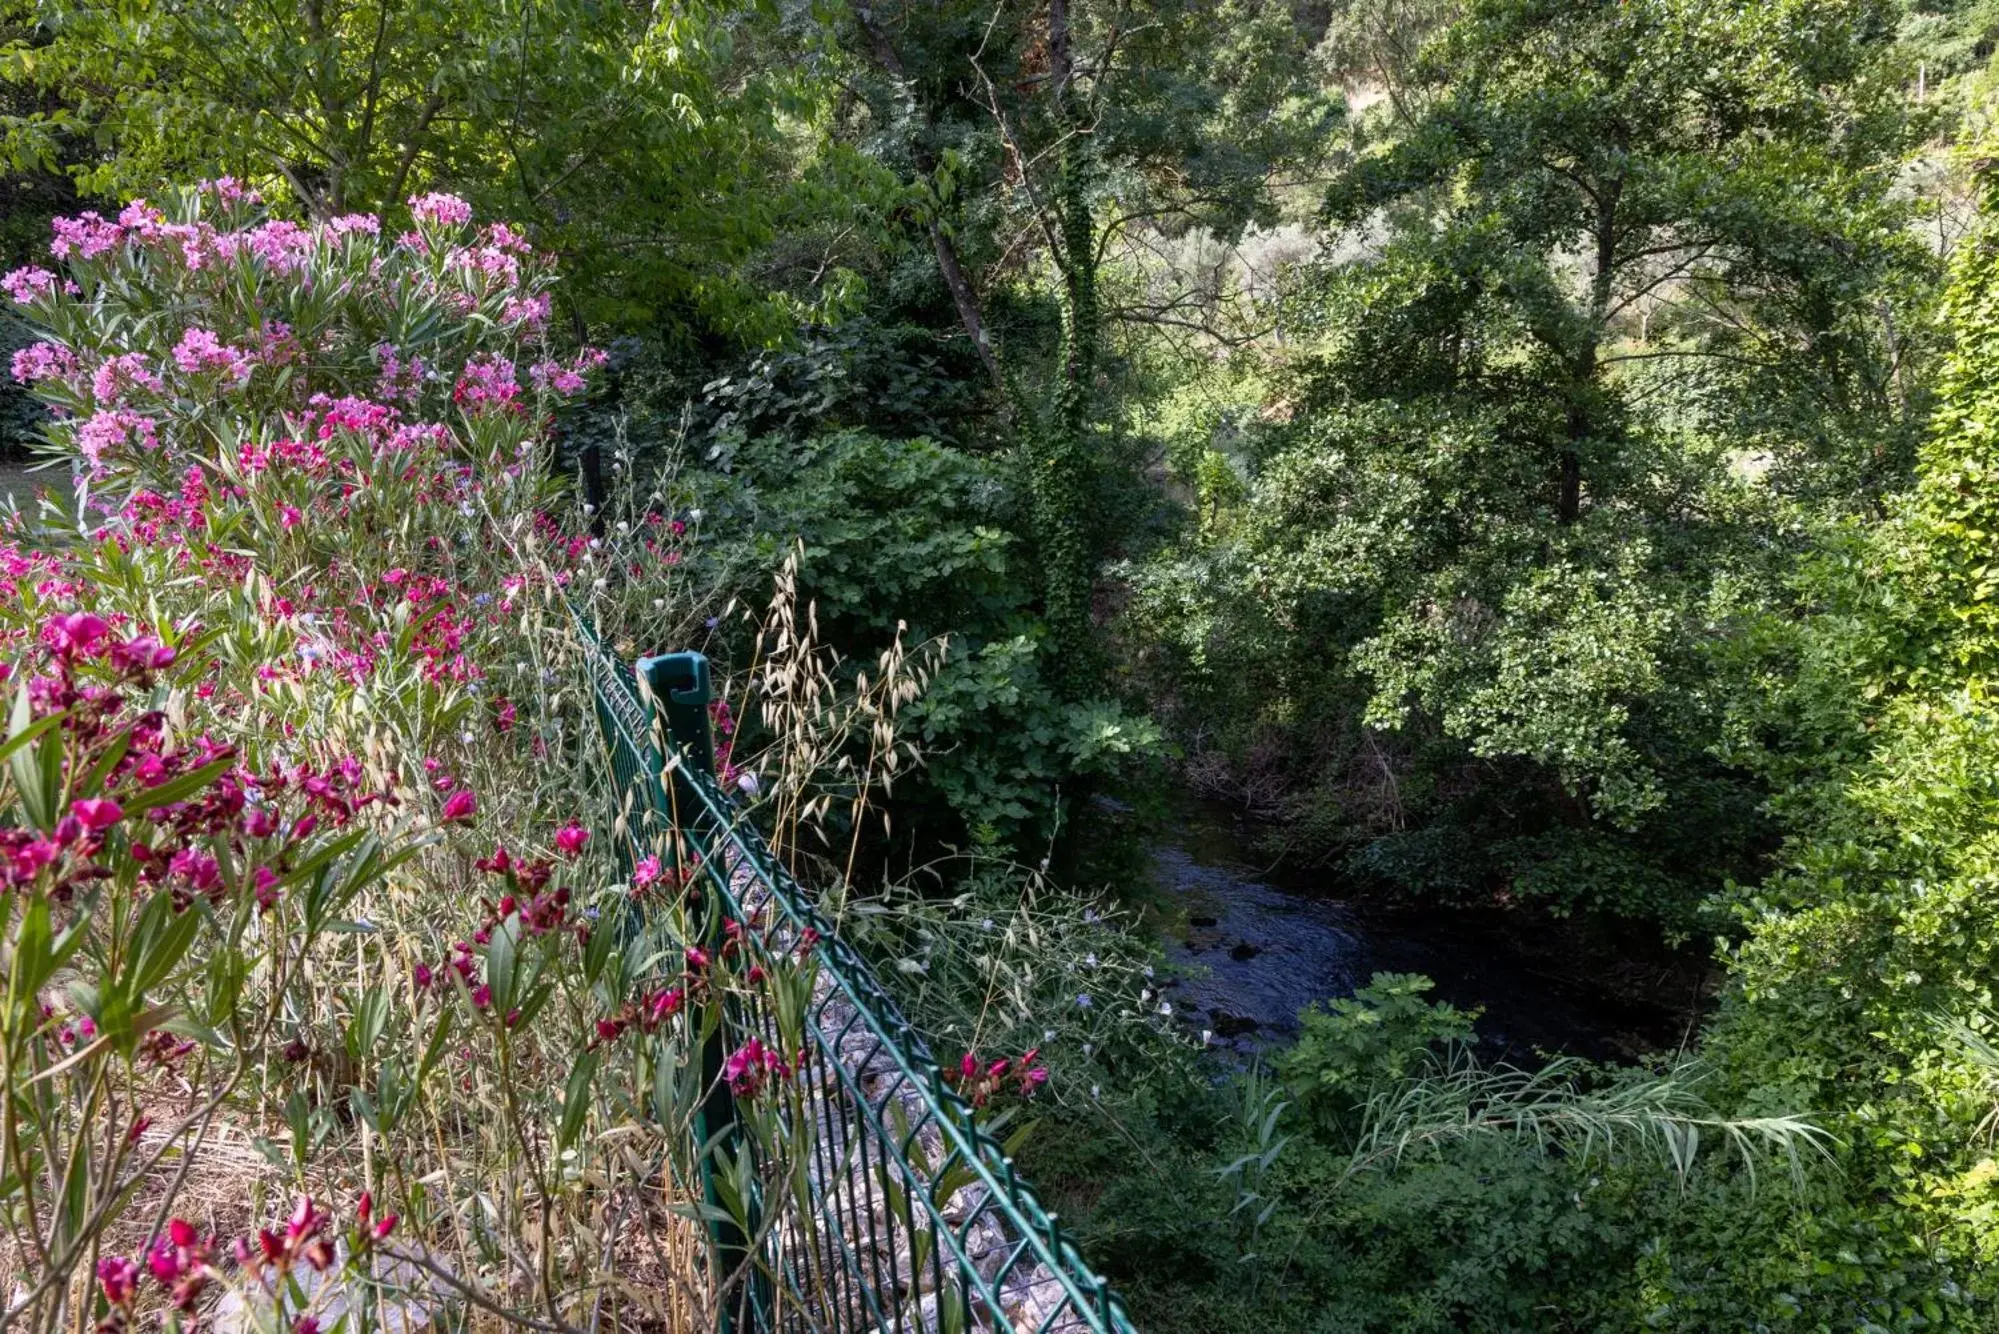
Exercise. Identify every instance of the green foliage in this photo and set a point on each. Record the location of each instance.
(546, 113)
(910, 537)
(1382, 1034)
(1597, 346)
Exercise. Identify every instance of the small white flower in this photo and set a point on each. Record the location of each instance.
(1047, 1035)
(1090, 959)
(599, 584)
(694, 516)
(1148, 970)
(659, 604)
(1096, 1090)
(986, 925)
(1166, 1008)
(1207, 1036)
(588, 508)
(596, 542)
(624, 527)
(749, 784)
(1089, 1047)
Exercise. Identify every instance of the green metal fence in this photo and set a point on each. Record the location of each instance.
(879, 1202)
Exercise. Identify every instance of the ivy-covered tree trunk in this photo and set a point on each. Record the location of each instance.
(1062, 463)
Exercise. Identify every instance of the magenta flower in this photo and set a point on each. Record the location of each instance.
(663, 1005)
(745, 1069)
(646, 872)
(77, 634)
(460, 806)
(97, 813)
(118, 1276)
(179, 1262)
(142, 654)
(571, 838)
(487, 385)
(119, 374)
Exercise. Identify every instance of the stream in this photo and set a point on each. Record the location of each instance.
(1249, 953)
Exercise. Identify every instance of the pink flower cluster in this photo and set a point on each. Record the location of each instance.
(91, 671)
(751, 1066)
(119, 375)
(440, 209)
(183, 1262)
(569, 379)
(106, 432)
(531, 312)
(978, 1082)
(400, 381)
(28, 285)
(44, 361)
(229, 190)
(200, 352)
(281, 244)
(487, 385)
(87, 235)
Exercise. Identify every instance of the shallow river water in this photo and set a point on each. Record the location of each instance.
(1250, 954)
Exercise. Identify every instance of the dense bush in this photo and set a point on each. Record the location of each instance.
(296, 857)
(909, 538)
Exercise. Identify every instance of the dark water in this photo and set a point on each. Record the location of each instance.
(1250, 954)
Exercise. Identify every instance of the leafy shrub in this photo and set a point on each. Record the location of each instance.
(302, 657)
(909, 537)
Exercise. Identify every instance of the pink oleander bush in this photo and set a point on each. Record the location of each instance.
(318, 984)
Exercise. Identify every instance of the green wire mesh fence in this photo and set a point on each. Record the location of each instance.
(845, 1185)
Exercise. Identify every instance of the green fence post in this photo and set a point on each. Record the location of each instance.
(678, 686)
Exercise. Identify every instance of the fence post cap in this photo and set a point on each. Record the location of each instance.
(679, 677)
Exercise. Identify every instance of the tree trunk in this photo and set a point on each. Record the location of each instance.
(1582, 377)
(1063, 473)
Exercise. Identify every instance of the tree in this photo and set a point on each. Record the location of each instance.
(643, 142)
(1577, 163)
(1042, 143)
(1618, 300)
